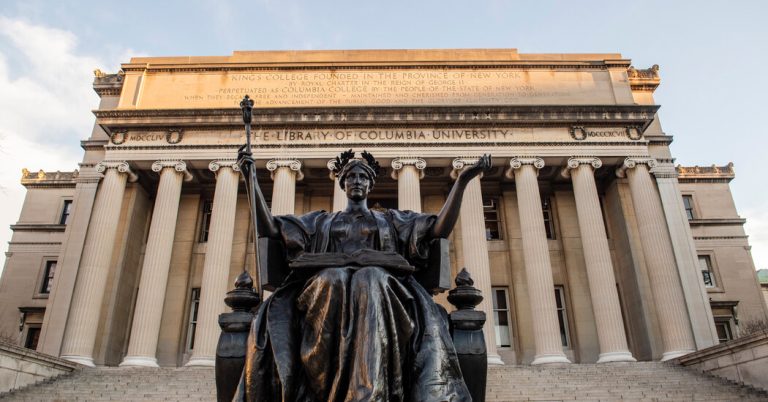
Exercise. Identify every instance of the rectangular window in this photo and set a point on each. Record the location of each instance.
(501, 316)
(562, 315)
(724, 333)
(33, 335)
(492, 219)
(205, 225)
(549, 224)
(705, 264)
(65, 212)
(194, 305)
(50, 271)
(688, 204)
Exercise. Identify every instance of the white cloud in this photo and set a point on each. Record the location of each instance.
(757, 229)
(46, 100)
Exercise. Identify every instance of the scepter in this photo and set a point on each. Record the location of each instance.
(247, 107)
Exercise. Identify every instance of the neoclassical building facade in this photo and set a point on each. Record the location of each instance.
(587, 241)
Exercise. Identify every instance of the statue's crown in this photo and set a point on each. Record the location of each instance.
(347, 156)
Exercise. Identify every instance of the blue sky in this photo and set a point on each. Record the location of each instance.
(712, 57)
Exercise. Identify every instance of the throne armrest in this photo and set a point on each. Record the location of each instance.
(436, 276)
(273, 266)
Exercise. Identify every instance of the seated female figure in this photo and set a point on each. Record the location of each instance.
(350, 323)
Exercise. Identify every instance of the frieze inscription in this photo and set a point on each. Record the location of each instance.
(383, 136)
(374, 87)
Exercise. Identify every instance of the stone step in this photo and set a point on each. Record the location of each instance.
(644, 381)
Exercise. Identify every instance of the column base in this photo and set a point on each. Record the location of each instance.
(674, 354)
(84, 360)
(201, 361)
(139, 361)
(495, 360)
(613, 357)
(550, 359)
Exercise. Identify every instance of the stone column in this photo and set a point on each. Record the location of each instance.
(597, 256)
(538, 269)
(339, 196)
(657, 248)
(285, 173)
(80, 332)
(408, 172)
(696, 297)
(157, 260)
(217, 261)
(475, 250)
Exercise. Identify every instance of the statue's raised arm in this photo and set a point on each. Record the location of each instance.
(261, 216)
(449, 214)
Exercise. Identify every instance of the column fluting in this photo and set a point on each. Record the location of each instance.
(218, 255)
(285, 173)
(408, 172)
(475, 250)
(148, 312)
(597, 256)
(657, 248)
(538, 268)
(80, 332)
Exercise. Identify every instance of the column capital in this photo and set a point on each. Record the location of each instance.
(121, 166)
(632, 161)
(576, 161)
(215, 165)
(400, 162)
(331, 165)
(293, 164)
(519, 161)
(461, 162)
(177, 165)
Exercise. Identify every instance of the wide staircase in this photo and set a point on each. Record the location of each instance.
(651, 381)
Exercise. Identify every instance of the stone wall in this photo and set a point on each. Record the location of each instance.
(20, 367)
(744, 360)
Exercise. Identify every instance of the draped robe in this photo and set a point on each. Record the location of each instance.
(339, 329)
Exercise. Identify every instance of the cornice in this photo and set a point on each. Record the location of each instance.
(639, 145)
(717, 221)
(720, 237)
(371, 65)
(634, 116)
(38, 227)
(89, 145)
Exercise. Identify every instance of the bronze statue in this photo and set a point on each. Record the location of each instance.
(350, 322)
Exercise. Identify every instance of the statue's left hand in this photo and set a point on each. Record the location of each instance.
(483, 165)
